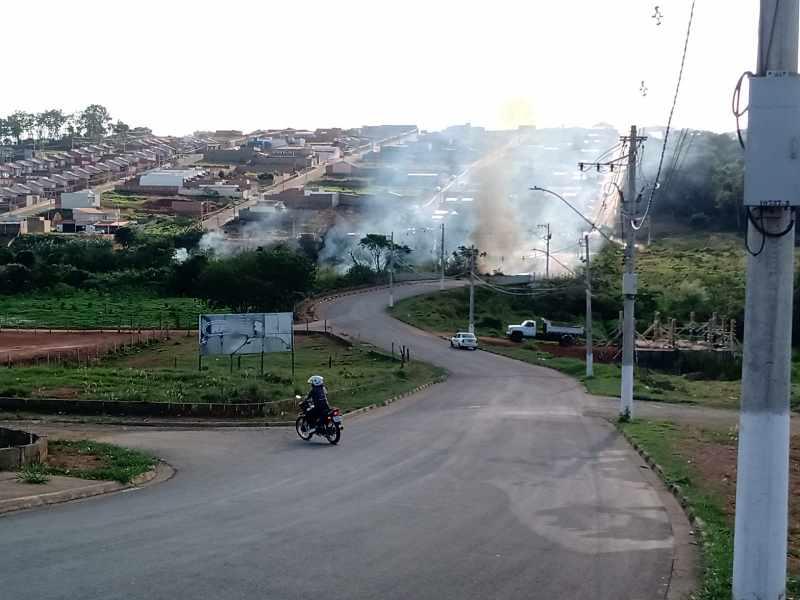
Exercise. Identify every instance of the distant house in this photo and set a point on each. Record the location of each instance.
(190, 208)
(89, 216)
(81, 199)
(40, 167)
(327, 153)
(6, 176)
(343, 167)
(63, 184)
(26, 166)
(306, 199)
(83, 175)
(96, 174)
(15, 169)
(51, 186)
(19, 196)
(221, 190)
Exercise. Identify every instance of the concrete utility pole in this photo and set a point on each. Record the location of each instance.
(770, 195)
(589, 352)
(628, 210)
(472, 289)
(547, 238)
(391, 270)
(441, 252)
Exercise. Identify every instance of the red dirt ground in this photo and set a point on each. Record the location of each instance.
(715, 460)
(37, 346)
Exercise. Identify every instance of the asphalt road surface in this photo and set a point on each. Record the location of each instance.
(492, 485)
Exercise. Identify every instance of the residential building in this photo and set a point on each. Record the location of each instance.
(80, 199)
(89, 216)
(327, 153)
(190, 208)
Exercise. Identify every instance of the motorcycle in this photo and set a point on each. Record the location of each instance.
(330, 428)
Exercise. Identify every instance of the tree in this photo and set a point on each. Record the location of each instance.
(459, 262)
(6, 256)
(40, 125)
(14, 278)
(94, 121)
(120, 128)
(72, 125)
(26, 258)
(379, 248)
(263, 280)
(186, 274)
(54, 120)
(124, 236)
(20, 123)
(5, 130)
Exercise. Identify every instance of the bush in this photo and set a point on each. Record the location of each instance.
(33, 474)
(699, 221)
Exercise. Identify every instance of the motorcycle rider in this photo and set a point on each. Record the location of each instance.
(319, 396)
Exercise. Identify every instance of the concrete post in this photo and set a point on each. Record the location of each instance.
(472, 290)
(589, 350)
(760, 539)
(629, 284)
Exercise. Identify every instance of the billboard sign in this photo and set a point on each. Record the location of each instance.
(247, 333)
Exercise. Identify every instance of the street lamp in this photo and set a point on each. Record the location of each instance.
(575, 210)
(588, 327)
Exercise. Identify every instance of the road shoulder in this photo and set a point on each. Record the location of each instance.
(16, 496)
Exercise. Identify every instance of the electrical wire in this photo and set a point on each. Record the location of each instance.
(759, 226)
(532, 294)
(669, 121)
(736, 102)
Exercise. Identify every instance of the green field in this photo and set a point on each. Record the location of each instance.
(79, 309)
(447, 312)
(648, 384)
(444, 312)
(168, 372)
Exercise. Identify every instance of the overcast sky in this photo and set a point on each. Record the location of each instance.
(182, 65)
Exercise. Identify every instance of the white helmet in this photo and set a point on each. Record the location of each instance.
(316, 380)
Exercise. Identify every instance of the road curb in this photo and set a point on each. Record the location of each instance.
(217, 424)
(393, 399)
(161, 472)
(677, 492)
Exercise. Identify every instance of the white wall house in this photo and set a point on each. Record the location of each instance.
(90, 216)
(168, 178)
(81, 199)
(327, 153)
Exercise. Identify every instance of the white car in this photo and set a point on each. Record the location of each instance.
(464, 340)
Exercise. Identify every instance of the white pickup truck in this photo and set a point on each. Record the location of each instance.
(563, 334)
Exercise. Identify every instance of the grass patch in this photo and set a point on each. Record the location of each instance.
(702, 462)
(662, 440)
(168, 372)
(648, 384)
(105, 462)
(35, 474)
(80, 309)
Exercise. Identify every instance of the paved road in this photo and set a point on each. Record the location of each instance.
(489, 486)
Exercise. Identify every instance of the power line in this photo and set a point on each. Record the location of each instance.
(669, 122)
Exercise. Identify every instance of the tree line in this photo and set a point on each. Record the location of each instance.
(93, 122)
(702, 183)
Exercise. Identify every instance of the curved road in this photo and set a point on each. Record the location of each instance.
(492, 485)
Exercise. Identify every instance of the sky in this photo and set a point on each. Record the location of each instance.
(183, 65)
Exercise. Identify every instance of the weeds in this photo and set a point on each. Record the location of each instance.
(35, 474)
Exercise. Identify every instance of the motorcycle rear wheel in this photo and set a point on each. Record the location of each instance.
(303, 430)
(333, 433)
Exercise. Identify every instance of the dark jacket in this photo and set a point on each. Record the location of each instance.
(319, 395)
